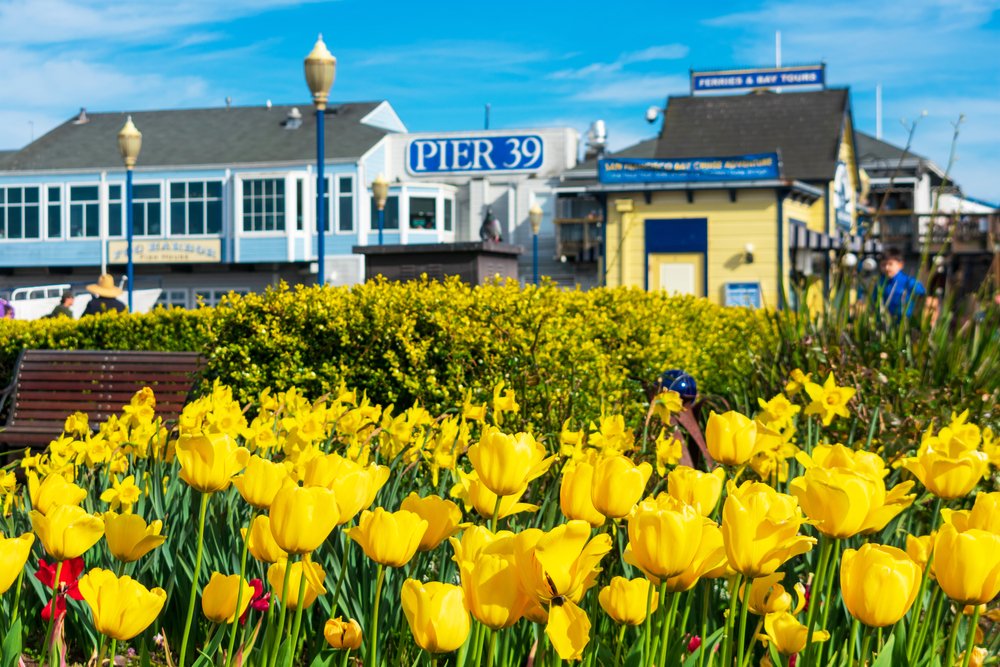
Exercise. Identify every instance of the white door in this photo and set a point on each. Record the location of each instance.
(679, 278)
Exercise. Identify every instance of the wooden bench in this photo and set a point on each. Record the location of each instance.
(50, 385)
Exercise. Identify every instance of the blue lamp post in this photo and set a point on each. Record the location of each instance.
(380, 191)
(535, 217)
(321, 67)
(129, 145)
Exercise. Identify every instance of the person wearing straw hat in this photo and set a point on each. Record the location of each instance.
(105, 296)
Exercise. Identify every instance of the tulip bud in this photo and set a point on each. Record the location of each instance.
(342, 634)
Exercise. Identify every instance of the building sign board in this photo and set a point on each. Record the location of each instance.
(449, 155)
(746, 295)
(167, 251)
(685, 170)
(765, 77)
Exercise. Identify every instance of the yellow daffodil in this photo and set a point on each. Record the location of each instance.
(124, 493)
(67, 531)
(828, 400)
(760, 528)
(878, 584)
(797, 382)
(777, 412)
(436, 614)
(303, 517)
(668, 402)
(473, 411)
(730, 437)
(219, 598)
(260, 541)
(617, 485)
(663, 536)
(574, 494)
(389, 538)
(341, 634)
(624, 600)
(121, 606)
(443, 518)
(209, 462)
(506, 463)
(128, 536)
(788, 635)
(53, 490)
(967, 564)
(14, 552)
(669, 452)
(261, 481)
(314, 576)
(701, 490)
(503, 401)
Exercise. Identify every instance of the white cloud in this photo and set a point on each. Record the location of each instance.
(650, 54)
(631, 90)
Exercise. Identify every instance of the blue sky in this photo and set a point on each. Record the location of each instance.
(536, 63)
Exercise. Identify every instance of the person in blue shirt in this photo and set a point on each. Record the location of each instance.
(896, 291)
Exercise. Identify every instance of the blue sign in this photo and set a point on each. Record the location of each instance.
(746, 295)
(686, 170)
(479, 154)
(767, 77)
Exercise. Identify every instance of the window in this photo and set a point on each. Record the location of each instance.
(20, 217)
(55, 213)
(345, 204)
(195, 208)
(299, 205)
(448, 224)
(422, 212)
(212, 296)
(116, 223)
(146, 213)
(85, 212)
(264, 205)
(173, 298)
(391, 213)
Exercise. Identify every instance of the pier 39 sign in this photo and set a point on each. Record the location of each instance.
(474, 154)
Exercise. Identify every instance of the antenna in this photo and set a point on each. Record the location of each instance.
(486, 122)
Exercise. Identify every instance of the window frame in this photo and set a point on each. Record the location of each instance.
(145, 202)
(281, 177)
(68, 215)
(40, 204)
(186, 200)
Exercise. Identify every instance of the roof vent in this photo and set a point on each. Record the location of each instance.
(229, 102)
(294, 119)
(268, 104)
(597, 140)
(81, 117)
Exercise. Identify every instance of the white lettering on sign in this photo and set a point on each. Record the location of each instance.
(479, 154)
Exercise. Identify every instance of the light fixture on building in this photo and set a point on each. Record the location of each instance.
(869, 265)
(380, 191)
(748, 253)
(129, 145)
(535, 217)
(849, 260)
(321, 67)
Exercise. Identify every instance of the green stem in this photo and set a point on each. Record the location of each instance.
(373, 651)
(866, 642)
(852, 641)
(816, 589)
(114, 652)
(52, 614)
(618, 646)
(727, 635)
(756, 633)
(273, 659)
(668, 603)
(347, 656)
(496, 515)
(297, 625)
(343, 569)
(831, 577)
(936, 623)
(706, 598)
(182, 659)
(239, 593)
(741, 638)
(647, 640)
(953, 637)
(914, 625)
(970, 642)
(492, 646)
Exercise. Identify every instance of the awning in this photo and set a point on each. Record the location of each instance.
(803, 238)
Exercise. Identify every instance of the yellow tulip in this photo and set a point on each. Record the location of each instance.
(984, 515)
(303, 517)
(121, 606)
(218, 599)
(477, 540)
(977, 659)
(342, 634)
(492, 588)
(878, 584)
(843, 502)
(663, 536)
(53, 490)
(730, 437)
(574, 494)
(560, 563)
(967, 564)
(919, 549)
(442, 516)
(618, 484)
(128, 536)
(14, 552)
(949, 475)
(389, 538)
(768, 596)
(314, 576)
(67, 531)
(476, 495)
(624, 600)
(760, 529)
(261, 481)
(355, 485)
(436, 614)
(568, 628)
(709, 562)
(506, 463)
(701, 490)
(208, 462)
(261, 542)
(788, 635)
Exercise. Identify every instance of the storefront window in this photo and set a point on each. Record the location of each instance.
(146, 210)
(422, 215)
(448, 206)
(55, 213)
(196, 208)
(85, 212)
(391, 214)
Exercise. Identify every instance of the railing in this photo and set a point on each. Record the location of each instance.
(963, 232)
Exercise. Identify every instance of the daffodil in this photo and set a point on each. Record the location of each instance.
(828, 400)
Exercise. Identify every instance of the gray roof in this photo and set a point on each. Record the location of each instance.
(805, 128)
(187, 137)
(588, 168)
(5, 155)
(872, 149)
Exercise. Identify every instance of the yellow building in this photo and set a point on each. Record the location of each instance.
(736, 235)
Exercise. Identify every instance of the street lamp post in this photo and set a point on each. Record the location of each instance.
(380, 191)
(129, 145)
(321, 67)
(535, 216)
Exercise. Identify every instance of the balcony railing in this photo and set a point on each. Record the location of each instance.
(961, 232)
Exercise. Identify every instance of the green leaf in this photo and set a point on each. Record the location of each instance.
(885, 657)
(10, 651)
